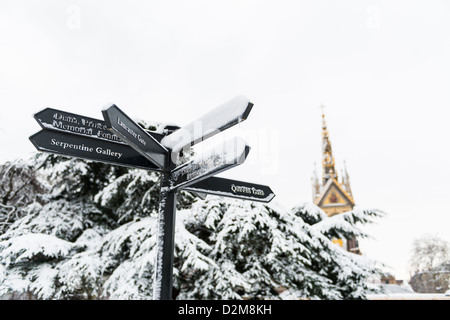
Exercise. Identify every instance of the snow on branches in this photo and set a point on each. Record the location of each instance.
(95, 237)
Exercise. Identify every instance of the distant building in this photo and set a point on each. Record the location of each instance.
(331, 194)
(388, 278)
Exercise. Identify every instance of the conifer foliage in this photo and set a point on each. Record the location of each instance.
(91, 234)
(19, 186)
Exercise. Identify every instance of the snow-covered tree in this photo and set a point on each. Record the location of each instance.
(428, 251)
(430, 264)
(260, 250)
(94, 235)
(85, 236)
(347, 272)
(256, 250)
(20, 185)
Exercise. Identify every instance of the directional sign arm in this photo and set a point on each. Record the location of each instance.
(215, 121)
(233, 189)
(135, 136)
(233, 153)
(71, 145)
(53, 119)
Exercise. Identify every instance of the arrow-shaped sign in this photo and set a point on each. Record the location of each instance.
(53, 119)
(135, 136)
(232, 153)
(233, 189)
(71, 145)
(215, 121)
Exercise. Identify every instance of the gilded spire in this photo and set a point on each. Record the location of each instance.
(329, 171)
(333, 196)
(346, 180)
(315, 184)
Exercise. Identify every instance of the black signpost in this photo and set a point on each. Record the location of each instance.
(120, 141)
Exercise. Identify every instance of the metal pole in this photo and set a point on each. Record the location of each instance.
(162, 289)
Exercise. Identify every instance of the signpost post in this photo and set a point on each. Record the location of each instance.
(120, 141)
(162, 287)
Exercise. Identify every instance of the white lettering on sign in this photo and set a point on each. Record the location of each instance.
(131, 132)
(258, 192)
(82, 147)
(68, 127)
(249, 190)
(81, 125)
(94, 124)
(141, 140)
(108, 152)
(240, 189)
(107, 135)
(66, 145)
(59, 116)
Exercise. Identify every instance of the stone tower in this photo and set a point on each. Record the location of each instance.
(331, 194)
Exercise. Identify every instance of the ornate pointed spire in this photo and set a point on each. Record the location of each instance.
(315, 183)
(346, 180)
(333, 196)
(329, 171)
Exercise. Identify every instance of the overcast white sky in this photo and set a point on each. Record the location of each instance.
(382, 69)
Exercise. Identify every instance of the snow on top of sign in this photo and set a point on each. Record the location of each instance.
(231, 151)
(222, 117)
(165, 127)
(107, 105)
(227, 151)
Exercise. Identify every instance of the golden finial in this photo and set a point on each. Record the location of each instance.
(323, 110)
